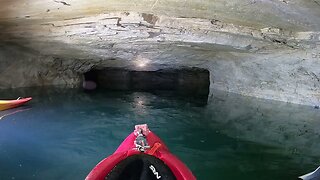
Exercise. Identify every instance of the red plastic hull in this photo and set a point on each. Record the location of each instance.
(126, 149)
(8, 104)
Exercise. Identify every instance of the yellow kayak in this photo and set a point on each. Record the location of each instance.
(8, 104)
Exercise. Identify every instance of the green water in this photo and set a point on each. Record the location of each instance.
(64, 133)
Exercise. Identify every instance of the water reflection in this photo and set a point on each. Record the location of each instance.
(139, 104)
(9, 112)
(227, 137)
(293, 127)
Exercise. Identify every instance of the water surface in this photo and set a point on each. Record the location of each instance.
(64, 133)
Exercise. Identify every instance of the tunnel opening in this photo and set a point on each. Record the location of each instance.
(187, 81)
(89, 81)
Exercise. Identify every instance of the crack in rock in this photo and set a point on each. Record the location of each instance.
(63, 2)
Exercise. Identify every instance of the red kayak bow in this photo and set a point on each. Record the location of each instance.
(141, 156)
(8, 104)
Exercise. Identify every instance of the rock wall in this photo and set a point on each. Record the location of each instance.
(287, 75)
(266, 49)
(22, 67)
(285, 14)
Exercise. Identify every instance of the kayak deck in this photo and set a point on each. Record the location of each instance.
(142, 156)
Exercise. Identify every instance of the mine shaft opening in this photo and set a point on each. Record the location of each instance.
(188, 81)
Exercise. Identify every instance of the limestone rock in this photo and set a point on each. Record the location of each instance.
(267, 49)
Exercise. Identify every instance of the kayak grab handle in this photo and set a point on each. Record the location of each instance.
(141, 129)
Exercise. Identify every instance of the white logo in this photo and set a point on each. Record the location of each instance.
(153, 169)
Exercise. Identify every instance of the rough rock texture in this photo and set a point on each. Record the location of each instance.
(290, 75)
(20, 67)
(263, 48)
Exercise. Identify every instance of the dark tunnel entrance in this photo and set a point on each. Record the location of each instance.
(193, 81)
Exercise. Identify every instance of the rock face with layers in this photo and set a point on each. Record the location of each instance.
(262, 48)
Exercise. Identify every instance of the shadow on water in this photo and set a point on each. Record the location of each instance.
(226, 136)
